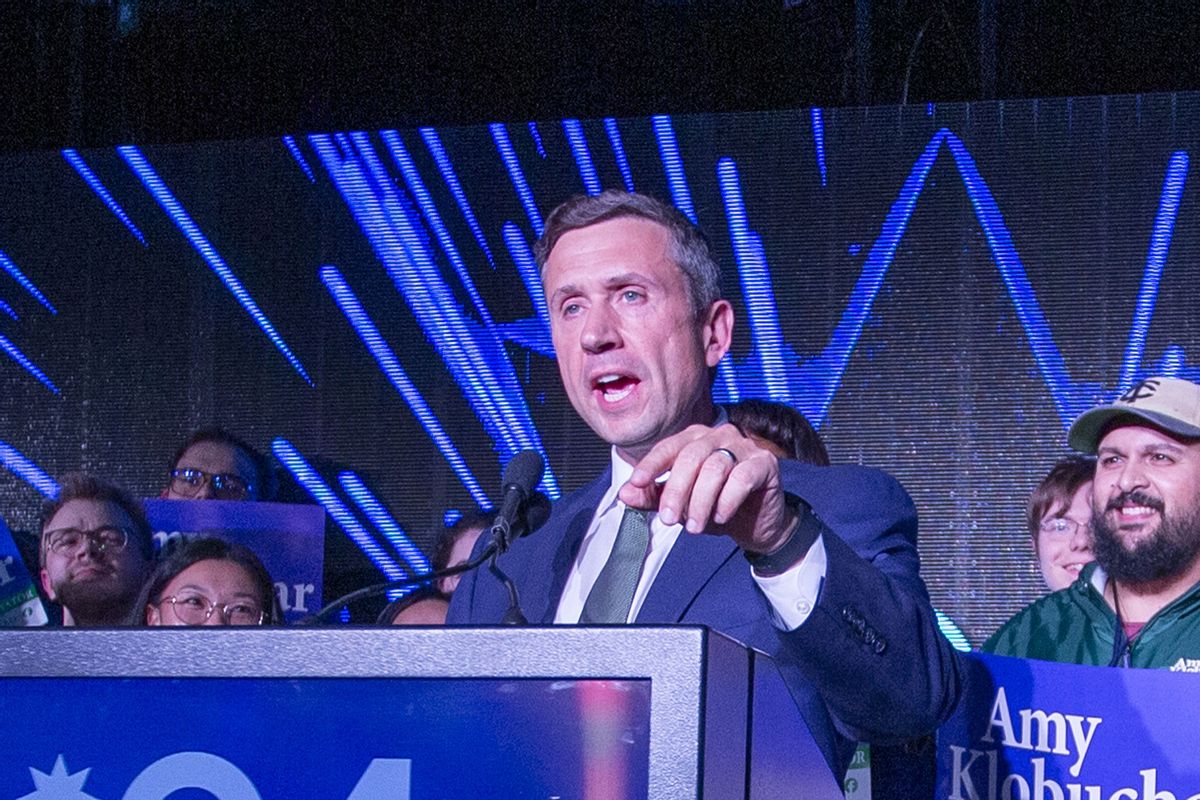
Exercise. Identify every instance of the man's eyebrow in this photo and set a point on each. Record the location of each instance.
(611, 282)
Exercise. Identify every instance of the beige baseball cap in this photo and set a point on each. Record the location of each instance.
(1172, 404)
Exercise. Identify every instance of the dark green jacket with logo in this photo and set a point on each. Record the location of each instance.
(1077, 626)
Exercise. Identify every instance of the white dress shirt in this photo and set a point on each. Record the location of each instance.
(792, 595)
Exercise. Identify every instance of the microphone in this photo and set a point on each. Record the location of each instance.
(522, 474)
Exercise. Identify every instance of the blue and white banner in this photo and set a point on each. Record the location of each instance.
(289, 538)
(20, 604)
(1038, 730)
(326, 738)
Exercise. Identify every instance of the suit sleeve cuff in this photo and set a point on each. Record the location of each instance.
(793, 594)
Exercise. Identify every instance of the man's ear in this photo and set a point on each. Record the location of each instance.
(717, 331)
(153, 615)
(47, 586)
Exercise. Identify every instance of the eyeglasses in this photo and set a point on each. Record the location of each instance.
(106, 538)
(225, 486)
(1062, 526)
(195, 609)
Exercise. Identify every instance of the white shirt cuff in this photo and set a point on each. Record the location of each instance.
(793, 594)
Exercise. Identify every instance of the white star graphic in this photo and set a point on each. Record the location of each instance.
(58, 784)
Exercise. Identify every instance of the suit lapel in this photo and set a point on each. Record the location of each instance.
(688, 568)
(576, 514)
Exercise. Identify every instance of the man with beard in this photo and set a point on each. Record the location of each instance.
(95, 551)
(1136, 605)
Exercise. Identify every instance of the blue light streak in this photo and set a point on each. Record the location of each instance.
(75, 160)
(761, 307)
(475, 355)
(509, 156)
(1156, 259)
(573, 128)
(26, 470)
(958, 640)
(7, 309)
(320, 491)
(353, 485)
(618, 148)
(434, 145)
(369, 333)
(522, 256)
(15, 354)
(536, 135)
(154, 184)
(425, 202)
(668, 149)
(290, 143)
(818, 127)
(12, 269)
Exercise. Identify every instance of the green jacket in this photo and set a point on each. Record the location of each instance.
(1077, 626)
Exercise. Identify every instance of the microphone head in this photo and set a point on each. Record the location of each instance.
(524, 471)
(534, 513)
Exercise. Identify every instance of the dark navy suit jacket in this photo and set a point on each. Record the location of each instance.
(868, 664)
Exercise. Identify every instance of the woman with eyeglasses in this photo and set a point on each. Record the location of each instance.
(208, 582)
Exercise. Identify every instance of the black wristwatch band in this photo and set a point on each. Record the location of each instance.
(795, 548)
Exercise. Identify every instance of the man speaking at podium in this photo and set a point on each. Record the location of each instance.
(697, 524)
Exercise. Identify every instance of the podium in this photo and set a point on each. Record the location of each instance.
(398, 713)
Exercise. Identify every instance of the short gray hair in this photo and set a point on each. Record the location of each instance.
(689, 246)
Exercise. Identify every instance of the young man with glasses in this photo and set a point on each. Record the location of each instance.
(95, 551)
(1059, 518)
(216, 465)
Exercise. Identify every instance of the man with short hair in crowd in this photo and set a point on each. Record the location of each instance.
(780, 428)
(213, 464)
(95, 551)
(695, 523)
(1137, 605)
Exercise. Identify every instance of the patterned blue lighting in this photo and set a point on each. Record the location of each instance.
(366, 329)
(952, 632)
(434, 145)
(16, 355)
(320, 491)
(761, 308)
(353, 485)
(573, 128)
(668, 150)
(154, 184)
(75, 160)
(12, 269)
(536, 135)
(290, 143)
(618, 148)
(429, 210)
(509, 156)
(9, 310)
(474, 354)
(1156, 258)
(818, 127)
(27, 471)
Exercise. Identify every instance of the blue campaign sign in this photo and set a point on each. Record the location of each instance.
(289, 538)
(20, 604)
(300, 738)
(1047, 731)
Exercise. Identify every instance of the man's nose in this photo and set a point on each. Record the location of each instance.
(206, 490)
(1081, 539)
(599, 330)
(1131, 476)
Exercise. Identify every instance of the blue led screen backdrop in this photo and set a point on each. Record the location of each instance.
(939, 288)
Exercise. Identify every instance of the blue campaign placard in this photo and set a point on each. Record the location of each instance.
(329, 738)
(20, 604)
(289, 538)
(1037, 729)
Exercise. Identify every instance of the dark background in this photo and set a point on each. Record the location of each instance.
(87, 72)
